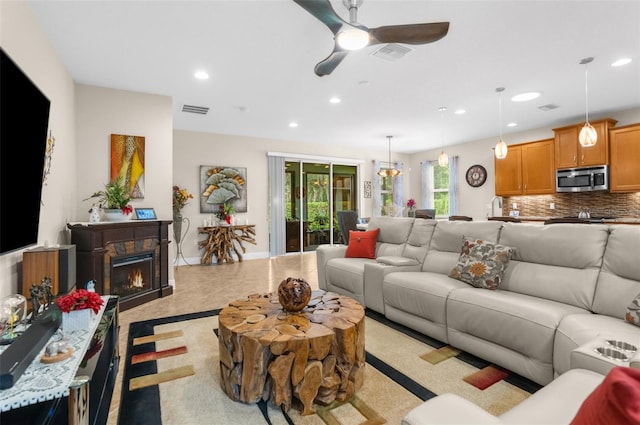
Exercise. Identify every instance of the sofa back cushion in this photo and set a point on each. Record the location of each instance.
(619, 280)
(447, 239)
(559, 262)
(394, 232)
(419, 239)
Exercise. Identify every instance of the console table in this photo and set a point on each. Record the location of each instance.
(73, 391)
(223, 241)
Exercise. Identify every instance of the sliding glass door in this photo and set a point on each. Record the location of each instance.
(313, 193)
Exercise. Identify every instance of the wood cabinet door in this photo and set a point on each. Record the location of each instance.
(538, 168)
(598, 154)
(566, 147)
(508, 173)
(624, 172)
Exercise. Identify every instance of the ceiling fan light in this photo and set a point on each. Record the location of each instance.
(501, 149)
(443, 159)
(588, 135)
(351, 38)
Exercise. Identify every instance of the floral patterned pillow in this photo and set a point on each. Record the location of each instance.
(633, 311)
(481, 264)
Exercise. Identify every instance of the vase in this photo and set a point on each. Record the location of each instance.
(177, 227)
(116, 214)
(77, 320)
(95, 215)
(411, 212)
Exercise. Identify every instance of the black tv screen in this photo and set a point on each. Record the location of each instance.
(24, 119)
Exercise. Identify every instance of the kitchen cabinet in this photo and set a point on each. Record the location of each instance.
(528, 169)
(624, 175)
(569, 153)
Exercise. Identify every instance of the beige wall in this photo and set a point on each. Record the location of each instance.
(26, 44)
(83, 117)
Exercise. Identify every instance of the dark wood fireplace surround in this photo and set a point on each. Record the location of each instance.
(97, 244)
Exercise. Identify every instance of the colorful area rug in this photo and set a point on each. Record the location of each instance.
(171, 376)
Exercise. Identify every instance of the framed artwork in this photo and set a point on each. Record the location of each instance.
(127, 161)
(367, 189)
(220, 184)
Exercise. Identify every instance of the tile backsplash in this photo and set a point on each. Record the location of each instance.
(599, 204)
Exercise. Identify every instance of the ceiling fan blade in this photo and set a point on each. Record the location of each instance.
(409, 34)
(327, 66)
(323, 11)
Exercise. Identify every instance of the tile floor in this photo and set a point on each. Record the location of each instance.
(200, 288)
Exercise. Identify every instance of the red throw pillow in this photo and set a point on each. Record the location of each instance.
(362, 244)
(615, 401)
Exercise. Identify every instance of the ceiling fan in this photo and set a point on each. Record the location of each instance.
(353, 35)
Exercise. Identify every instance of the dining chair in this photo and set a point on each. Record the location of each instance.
(347, 220)
(505, 218)
(566, 220)
(460, 218)
(425, 213)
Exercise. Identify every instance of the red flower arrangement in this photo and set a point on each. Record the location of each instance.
(80, 300)
(411, 203)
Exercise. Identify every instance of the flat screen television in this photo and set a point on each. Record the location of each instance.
(24, 120)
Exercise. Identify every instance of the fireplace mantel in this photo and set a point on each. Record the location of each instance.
(98, 244)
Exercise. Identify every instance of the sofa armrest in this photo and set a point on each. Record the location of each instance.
(397, 261)
(449, 409)
(374, 274)
(324, 253)
(635, 360)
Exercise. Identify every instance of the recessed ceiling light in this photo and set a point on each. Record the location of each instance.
(621, 62)
(523, 97)
(293, 124)
(512, 124)
(201, 75)
(335, 100)
(460, 111)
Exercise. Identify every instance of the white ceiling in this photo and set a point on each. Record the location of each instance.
(261, 55)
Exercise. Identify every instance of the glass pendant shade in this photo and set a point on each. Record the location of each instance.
(443, 159)
(588, 136)
(352, 38)
(501, 149)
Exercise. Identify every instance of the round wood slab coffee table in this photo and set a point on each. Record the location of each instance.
(316, 354)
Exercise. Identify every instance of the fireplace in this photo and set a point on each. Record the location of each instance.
(132, 275)
(129, 259)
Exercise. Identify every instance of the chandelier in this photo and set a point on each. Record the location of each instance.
(390, 171)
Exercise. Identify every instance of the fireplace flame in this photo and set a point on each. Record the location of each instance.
(135, 279)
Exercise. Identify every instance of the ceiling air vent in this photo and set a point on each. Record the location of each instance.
(548, 107)
(202, 110)
(391, 52)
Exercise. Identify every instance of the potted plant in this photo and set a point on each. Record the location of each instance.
(114, 200)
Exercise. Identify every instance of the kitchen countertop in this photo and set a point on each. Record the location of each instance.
(619, 220)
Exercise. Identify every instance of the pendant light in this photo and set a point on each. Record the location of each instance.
(588, 135)
(443, 158)
(501, 146)
(391, 171)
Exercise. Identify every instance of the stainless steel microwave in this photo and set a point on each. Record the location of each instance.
(584, 179)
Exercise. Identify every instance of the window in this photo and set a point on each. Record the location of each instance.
(440, 187)
(386, 191)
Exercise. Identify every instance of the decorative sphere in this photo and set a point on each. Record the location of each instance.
(294, 294)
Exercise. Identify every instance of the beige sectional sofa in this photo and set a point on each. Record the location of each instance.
(567, 286)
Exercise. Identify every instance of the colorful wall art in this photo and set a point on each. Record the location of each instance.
(127, 161)
(220, 184)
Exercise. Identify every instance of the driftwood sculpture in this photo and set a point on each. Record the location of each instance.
(315, 355)
(223, 241)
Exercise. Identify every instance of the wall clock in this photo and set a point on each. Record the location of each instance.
(476, 175)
